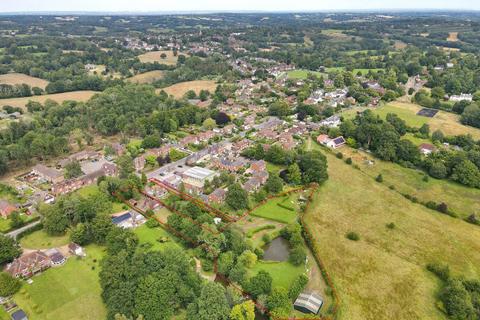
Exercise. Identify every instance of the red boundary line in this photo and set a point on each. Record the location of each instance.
(310, 243)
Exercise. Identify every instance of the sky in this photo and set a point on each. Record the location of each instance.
(228, 5)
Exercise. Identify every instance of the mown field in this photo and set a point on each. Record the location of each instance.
(150, 236)
(68, 292)
(383, 275)
(20, 78)
(58, 97)
(447, 122)
(155, 56)
(179, 89)
(278, 209)
(302, 74)
(41, 240)
(147, 77)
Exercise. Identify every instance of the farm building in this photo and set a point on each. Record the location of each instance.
(308, 303)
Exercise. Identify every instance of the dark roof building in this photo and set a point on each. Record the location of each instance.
(19, 315)
(308, 303)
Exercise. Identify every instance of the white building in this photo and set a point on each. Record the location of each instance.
(462, 97)
(197, 176)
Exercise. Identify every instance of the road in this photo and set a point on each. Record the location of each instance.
(15, 233)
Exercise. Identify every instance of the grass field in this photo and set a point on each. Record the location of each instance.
(147, 77)
(69, 292)
(447, 122)
(41, 240)
(155, 56)
(150, 236)
(452, 36)
(58, 97)
(354, 71)
(302, 74)
(283, 273)
(272, 211)
(20, 78)
(383, 275)
(462, 200)
(179, 89)
(5, 223)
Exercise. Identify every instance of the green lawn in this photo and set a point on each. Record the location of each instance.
(283, 273)
(274, 168)
(5, 223)
(150, 236)
(68, 292)
(41, 240)
(272, 211)
(302, 74)
(93, 190)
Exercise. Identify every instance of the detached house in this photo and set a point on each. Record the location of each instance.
(28, 264)
(6, 208)
(331, 143)
(217, 196)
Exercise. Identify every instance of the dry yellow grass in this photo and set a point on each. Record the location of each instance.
(147, 77)
(155, 56)
(447, 122)
(383, 275)
(58, 97)
(20, 78)
(399, 45)
(452, 36)
(179, 89)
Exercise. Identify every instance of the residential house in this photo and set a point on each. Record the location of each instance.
(331, 122)
(336, 142)
(232, 165)
(139, 163)
(323, 139)
(461, 97)
(258, 166)
(66, 186)
(426, 148)
(119, 149)
(56, 257)
(252, 184)
(217, 196)
(28, 264)
(6, 209)
(49, 174)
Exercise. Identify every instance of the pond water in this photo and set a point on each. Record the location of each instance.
(277, 250)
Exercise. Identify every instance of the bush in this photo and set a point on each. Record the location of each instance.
(152, 223)
(8, 285)
(379, 178)
(207, 265)
(297, 256)
(391, 225)
(348, 161)
(391, 187)
(297, 286)
(425, 178)
(353, 236)
(266, 238)
(441, 271)
(442, 207)
(339, 155)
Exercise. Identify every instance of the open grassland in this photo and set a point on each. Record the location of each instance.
(147, 77)
(155, 56)
(20, 78)
(179, 89)
(447, 122)
(383, 275)
(41, 240)
(58, 97)
(276, 209)
(460, 199)
(68, 292)
(302, 74)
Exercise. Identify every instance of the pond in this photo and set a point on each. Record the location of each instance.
(277, 250)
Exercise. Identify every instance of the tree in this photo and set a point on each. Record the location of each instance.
(222, 118)
(279, 109)
(125, 166)
(9, 249)
(211, 305)
(294, 175)
(237, 197)
(279, 303)
(438, 170)
(73, 170)
(247, 258)
(457, 301)
(225, 262)
(297, 256)
(466, 173)
(274, 184)
(424, 130)
(437, 135)
(259, 284)
(209, 124)
(151, 141)
(243, 311)
(15, 220)
(8, 285)
(313, 165)
(155, 295)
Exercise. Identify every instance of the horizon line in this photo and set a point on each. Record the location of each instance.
(156, 12)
